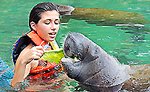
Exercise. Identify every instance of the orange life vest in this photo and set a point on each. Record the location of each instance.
(49, 71)
(43, 72)
(25, 40)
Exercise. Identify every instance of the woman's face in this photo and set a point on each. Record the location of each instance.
(48, 26)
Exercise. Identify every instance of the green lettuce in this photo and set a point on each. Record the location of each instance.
(53, 56)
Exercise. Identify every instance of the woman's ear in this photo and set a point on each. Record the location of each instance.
(33, 25)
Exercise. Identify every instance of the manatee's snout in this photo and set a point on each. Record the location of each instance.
(76, 46)
(72, 48)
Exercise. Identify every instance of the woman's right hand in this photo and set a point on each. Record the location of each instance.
(33, 53)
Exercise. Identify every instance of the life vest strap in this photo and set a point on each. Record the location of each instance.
(40, 42)
(36, 39)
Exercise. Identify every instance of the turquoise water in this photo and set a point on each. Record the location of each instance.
(131, 45)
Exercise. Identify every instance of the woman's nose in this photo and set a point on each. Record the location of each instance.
(53, 26)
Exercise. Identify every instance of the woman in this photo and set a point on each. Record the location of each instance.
(44, 23)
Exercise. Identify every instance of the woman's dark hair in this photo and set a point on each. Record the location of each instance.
(35, 14)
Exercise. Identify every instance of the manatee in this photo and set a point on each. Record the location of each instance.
(94, 69)
(100, 16)
(103, 17)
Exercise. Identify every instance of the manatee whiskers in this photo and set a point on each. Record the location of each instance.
(95, 69)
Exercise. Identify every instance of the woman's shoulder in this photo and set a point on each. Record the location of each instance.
(19, 45)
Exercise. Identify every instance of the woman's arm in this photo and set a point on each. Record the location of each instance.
(24, 62)
(21, 71)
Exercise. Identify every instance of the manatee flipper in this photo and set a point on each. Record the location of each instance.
(72, 68)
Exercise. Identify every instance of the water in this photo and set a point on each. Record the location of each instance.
(131, 45)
